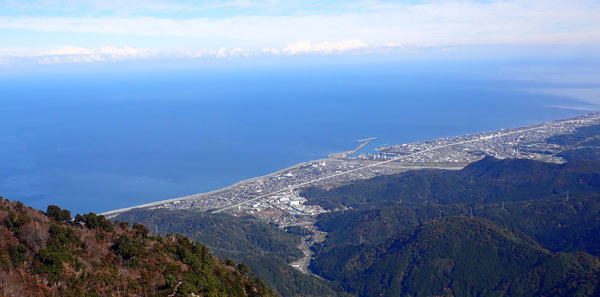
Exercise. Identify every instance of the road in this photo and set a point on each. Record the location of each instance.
(302, 263)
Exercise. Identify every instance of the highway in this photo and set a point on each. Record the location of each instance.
(303, 184)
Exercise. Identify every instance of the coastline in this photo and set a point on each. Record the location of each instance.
(199, 195)
(454, 140)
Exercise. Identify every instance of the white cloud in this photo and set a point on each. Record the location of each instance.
(70, 54)
(322, 47)
(78, 55)
(124, 7)
(443, 23)
(215, 53)
(68, 50)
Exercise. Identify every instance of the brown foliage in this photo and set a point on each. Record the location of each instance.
(43, 256)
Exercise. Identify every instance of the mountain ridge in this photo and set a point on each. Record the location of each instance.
(50, 254)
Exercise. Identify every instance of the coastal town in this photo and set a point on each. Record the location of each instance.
(276, 197)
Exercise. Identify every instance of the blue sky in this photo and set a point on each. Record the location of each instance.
(88, 31)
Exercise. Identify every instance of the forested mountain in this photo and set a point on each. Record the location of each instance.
(487, 181)
(495, 228)
(49, 254)
(459, 256)
(557, 224)
(268, 250)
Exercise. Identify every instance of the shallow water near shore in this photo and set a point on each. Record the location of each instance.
(101, 141)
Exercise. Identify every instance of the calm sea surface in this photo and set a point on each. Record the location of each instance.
(95, 141)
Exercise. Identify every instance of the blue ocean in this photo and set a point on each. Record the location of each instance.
(102, 139)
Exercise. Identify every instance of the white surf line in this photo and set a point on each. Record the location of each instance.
(393, 160)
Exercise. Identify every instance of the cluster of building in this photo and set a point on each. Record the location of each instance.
(281, 209)
(275, 197)
(528, 142)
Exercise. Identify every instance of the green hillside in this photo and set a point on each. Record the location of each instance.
(264, 247)
(48, 254)
(459, 256)
(487, 181)
(557, 224)
(496, 228)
